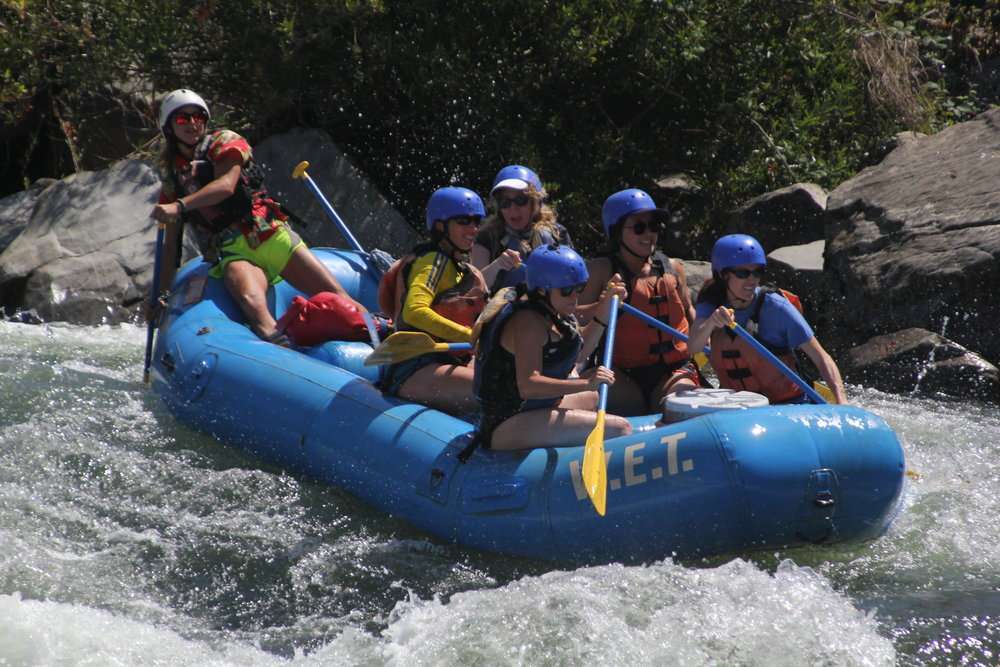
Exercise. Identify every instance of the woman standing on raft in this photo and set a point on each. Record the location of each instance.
(211, 184)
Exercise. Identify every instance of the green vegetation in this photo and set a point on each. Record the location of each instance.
(743, 95)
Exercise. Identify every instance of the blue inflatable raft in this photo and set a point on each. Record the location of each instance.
(729, 481)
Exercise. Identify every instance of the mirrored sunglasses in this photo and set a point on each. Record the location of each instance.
(641, 227)
(569, 291)
(183, 118)
(520, 200)
(466, 220)
(743, 274)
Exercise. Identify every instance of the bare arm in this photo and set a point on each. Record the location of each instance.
(524, 337)
(479, 256)
(701, 330)
(683, 289)
(827, 367)
(599, 271)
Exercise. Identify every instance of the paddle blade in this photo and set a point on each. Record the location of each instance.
(595, 466)
(401, 346)
(824, 390)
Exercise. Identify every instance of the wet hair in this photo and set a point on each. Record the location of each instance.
(713, 291)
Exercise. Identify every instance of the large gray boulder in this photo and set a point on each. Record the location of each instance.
(915, 240)
(85, 247)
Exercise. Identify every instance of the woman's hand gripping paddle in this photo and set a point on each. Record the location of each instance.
(595, 465)
(404, 345)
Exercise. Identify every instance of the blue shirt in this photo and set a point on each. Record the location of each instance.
(780, 324)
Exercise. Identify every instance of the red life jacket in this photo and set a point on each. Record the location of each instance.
(658, 295)
(741, 367)
(461, 303)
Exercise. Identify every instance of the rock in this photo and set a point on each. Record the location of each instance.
(683, 197)
(696, 273)
(368, 215)
(790, 216)
(915, 240)
(919, 361)
(15, 211)
(85, 256)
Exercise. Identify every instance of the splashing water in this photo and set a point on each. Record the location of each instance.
(128, 539)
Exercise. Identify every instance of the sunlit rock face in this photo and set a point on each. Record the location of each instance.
(915, 240)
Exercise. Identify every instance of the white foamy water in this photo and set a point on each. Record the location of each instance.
(127, 539)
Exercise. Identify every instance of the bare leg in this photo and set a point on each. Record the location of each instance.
(307, 274)
(443, 387)
(554, 427)
(247, 283)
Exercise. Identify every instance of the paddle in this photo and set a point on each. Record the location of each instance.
(699, 357)
(154, 296)
(595, 466)
(300, 173)
(778, 363)
(404, 345)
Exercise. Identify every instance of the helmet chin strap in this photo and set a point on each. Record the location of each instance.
(634, 253)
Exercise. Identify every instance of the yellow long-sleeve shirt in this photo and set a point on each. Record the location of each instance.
(431, 274)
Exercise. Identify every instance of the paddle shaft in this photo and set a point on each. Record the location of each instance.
(330, 212)
(653, 322)
(154, 297)
(609, 346)
(778, 363)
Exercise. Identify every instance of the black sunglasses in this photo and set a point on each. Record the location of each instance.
(641, 227)
(520, 200)
(743, 274)
(568, 291)
(465, 220)
(183, 118)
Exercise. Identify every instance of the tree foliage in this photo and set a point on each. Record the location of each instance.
(743, 95)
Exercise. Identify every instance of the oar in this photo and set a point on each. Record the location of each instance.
(699, 357)
(300, 173)
(404, 345)
(595, 466)
(154, 297)
(778, 363)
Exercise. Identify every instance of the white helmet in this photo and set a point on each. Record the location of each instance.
(182, 97)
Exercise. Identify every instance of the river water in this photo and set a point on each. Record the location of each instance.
(127, 539)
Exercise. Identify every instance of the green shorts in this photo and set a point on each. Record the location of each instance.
(271, 256)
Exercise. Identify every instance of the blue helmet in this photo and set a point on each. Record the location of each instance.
(736, 249)
(516, 177)
(554, 266)
(626, 202)
(451, 202)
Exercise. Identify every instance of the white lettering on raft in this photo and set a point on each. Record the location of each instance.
(632, 465)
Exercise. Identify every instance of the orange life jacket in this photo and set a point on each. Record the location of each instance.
(741, 367)
(461, 303)
(658, 295)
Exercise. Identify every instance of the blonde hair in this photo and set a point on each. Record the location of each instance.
(544, 220)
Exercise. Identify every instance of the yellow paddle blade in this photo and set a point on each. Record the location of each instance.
(595, 467)
(823, 389)
(403, 345)
(701, 360)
